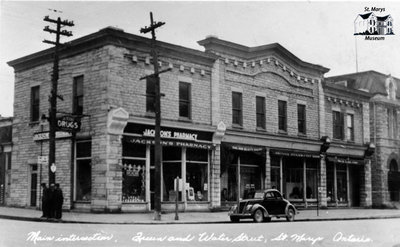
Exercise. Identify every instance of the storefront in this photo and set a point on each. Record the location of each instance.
(186, 155)
(295, 174)
(241, 167)
(344, 177)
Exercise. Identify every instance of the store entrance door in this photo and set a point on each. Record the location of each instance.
(34, 185)
(355, 174)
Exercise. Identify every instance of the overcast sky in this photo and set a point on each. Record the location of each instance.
(316, 32)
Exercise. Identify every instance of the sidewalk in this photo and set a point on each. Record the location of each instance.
(193, 217)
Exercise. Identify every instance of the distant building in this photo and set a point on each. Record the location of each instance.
(384, 129)
(5, 157)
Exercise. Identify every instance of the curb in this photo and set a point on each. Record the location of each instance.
(22, 218)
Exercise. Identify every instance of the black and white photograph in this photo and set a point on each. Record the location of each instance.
(199, 123)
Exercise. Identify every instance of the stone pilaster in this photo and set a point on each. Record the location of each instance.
(215, 171)
(107, 173)
(366, 187)
(215, 93)
(322, 187)
(321, 99)
(267, 181)
(366, 122)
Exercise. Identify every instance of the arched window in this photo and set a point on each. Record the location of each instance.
(394, 181)
(393, 166)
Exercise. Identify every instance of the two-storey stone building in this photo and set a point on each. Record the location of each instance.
(348, 165)
(269, 100)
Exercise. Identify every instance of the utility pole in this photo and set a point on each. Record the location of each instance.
(157, 137)
(53, 96)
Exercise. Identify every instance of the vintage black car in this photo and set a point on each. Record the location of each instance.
(265, 205)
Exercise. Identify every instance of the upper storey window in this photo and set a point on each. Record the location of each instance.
(237, 115)
(35, 103)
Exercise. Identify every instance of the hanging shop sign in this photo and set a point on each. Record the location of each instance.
(289, 153)
(68, 123)
(144, 134)
(41, 136)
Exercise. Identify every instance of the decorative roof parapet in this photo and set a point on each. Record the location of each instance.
(214, 45)
(276, 62)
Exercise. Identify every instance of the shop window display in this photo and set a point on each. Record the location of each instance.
(341, 183)
(197, 174)
(133, 180)
(251, 176)
(311, 179)
(275, 173)
(83, 171)
(172, 162)
(294, 178)
(330, 189)
(133, 173)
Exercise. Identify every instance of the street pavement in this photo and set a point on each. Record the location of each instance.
(28, 214)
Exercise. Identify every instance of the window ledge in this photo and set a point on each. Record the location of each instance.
(185, 119)
(302, 135)
(33, 123)
(150, 114)
(282, 132)
(339, 140)
(237, 126)
(259, 129)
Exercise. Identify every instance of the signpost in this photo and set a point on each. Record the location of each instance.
(43, 160)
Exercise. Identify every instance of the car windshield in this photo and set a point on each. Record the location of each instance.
(259, 195)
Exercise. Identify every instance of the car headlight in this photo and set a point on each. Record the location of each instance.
(248, 207)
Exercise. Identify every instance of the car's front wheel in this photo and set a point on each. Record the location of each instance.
(258, 216)
(234, 219)
(290, 214)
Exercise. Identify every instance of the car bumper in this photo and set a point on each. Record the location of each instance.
(239, 215)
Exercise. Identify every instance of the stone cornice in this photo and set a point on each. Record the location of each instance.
(340, 101)
(116, 37)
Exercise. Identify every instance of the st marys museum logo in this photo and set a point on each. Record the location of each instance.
(373, 27)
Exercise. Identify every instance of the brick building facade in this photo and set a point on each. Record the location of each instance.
(235, 119)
